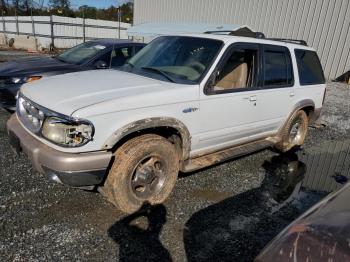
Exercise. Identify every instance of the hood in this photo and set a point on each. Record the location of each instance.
(70, 92)
(33, 65)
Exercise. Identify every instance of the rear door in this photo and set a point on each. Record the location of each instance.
(277, 87)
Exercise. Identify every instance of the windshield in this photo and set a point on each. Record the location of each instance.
(81, 54)
(179, 59)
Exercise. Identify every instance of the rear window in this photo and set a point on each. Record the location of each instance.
(309, 67)
(277, 67)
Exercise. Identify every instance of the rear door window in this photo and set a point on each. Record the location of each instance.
(309, 67)
(277, 67)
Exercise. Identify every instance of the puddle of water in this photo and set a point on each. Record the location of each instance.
(211, 194)
(286, 180)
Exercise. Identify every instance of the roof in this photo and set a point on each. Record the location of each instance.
(228, 39)
(113, 41)
(156, 29)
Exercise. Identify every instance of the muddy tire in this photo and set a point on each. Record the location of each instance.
(294, 132)
(145, 169)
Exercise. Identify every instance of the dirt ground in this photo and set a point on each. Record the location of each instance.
(228, 212)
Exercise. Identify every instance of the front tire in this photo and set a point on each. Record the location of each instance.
(145, 169)
(294, 132)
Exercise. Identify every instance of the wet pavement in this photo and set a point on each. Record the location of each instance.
(228, 212)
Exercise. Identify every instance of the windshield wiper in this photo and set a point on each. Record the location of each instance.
(161, 72)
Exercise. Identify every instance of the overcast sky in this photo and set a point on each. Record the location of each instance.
(96, 3)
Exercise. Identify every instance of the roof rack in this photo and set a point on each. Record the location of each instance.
(239, 32)
(293, 41)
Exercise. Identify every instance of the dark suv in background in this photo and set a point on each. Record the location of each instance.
(97, 54)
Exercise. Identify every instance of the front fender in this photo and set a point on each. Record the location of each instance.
(153, 122)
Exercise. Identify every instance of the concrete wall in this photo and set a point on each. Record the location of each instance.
(324, 24)
(61, 30)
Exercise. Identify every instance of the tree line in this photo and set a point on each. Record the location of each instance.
(64, 8)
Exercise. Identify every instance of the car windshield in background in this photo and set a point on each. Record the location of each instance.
(82, 53)
(179, 59)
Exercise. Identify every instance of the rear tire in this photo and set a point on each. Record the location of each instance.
(145, 169)
(294, 132)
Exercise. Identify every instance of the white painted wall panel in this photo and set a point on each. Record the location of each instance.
(324, 24)
(64, 30)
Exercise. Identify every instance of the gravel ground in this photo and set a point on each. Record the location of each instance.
(228, 212)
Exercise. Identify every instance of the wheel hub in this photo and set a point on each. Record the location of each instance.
(295, 133)
(148, 178)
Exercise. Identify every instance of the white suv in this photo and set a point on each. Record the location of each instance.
(182, 103)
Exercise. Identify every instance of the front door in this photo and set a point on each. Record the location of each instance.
(229, 104)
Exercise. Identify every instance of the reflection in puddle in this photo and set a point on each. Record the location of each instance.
(237, 227)
(327, 165)
(306, 176)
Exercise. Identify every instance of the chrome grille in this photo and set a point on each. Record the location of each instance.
(30, 114)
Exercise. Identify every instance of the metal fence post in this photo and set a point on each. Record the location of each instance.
(119, 20)
(84, 29)
(17, 26)
(52, 33)
(3, 25)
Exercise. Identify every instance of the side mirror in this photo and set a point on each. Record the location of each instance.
(100, 64)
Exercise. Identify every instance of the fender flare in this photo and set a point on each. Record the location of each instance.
(153, 122)
(301, 104)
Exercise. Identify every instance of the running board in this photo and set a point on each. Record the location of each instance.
(223, 155)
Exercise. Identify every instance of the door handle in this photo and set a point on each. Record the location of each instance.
(291, 93)
(252, 98)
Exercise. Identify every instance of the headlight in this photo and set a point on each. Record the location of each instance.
(23, 79)
(67, 133)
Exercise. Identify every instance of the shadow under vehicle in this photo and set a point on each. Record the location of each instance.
(96, 54)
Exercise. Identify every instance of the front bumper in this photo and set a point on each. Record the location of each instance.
(74, 169)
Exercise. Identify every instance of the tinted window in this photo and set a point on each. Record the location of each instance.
(277, 68)
(120, 56)
(309, 67)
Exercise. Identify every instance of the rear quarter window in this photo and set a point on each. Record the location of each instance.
(309, 67)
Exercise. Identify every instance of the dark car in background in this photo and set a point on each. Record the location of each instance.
(321, 234)
(96, 54)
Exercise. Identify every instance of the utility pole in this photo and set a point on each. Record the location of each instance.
(84, 33)
(16, 15)
(119, 20)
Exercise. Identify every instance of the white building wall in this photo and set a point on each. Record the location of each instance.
(62, 30)
(324, 24)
